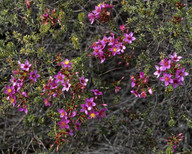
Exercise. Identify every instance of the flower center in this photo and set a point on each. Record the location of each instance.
(33, 76)
(66, 62)
(59, 77)
(92, 115)
(166, 78)
(63, 124)
(166, 63)
(9, 90)
(181, 74)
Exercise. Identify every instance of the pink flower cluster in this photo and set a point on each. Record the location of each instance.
(60, 81)
(140, 82)
(102, 13)
(174, 141)
(111, 46)
(16, 93)
(173, 74)
(72, 113)
(50, 17)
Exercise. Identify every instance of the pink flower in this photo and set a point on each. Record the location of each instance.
(176, 82)
(13, 80)
(24, 108)
(175, 57)
(129, 38)
(92, 114)
(91, 17)
(122, 27)
(121, 47)
(66, 86)
(59, 77)
(181, 73)
(143, 94)
(150, 91)
(132, 81)
(111, 40)
(135, 93)
(89, 103)
(77, 126)
(97, 92)
(54, 85)
(167, 79)
(165, 64)
(114, 50)
(64, 123)
(26, 66)
(12, 100)
(34, 76)
(117, 89)
(63, 113)
(66, 63)
(142, 76)
(73, 114)
(9, 90)
(84, 108)
(158, 71)
(97, 10)
(24, 94)
(83, 81)
(102, 113)
(47, 102)
(104, 41)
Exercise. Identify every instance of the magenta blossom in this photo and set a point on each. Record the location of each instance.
(135, 93)
(89, 103)
(47, 102)
(84, 108)
(181, 73)
(12, 99)
(158, 71)
(83, 81)
(142, 76)
(132, 81)
(34, 76)
(54, 85)
(59, 77)
(143, 94)
(97, 10)
(175, 57)
(24, 93)
(66, 63)
(91, 17)
(92, 114)
(176, 82)
(73, 114)
(63, 113)
(165, 64)
(102, 113)
(129, 38)
(9, 90)
(117, 89)
(66, 86)
(64, 123)
(122, 27)
(24, 108)
(167, 79)
(26, 66)
(150, 91)
(97, 92)
(77, 126)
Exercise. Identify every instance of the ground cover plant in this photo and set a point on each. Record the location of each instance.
(91, 76)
